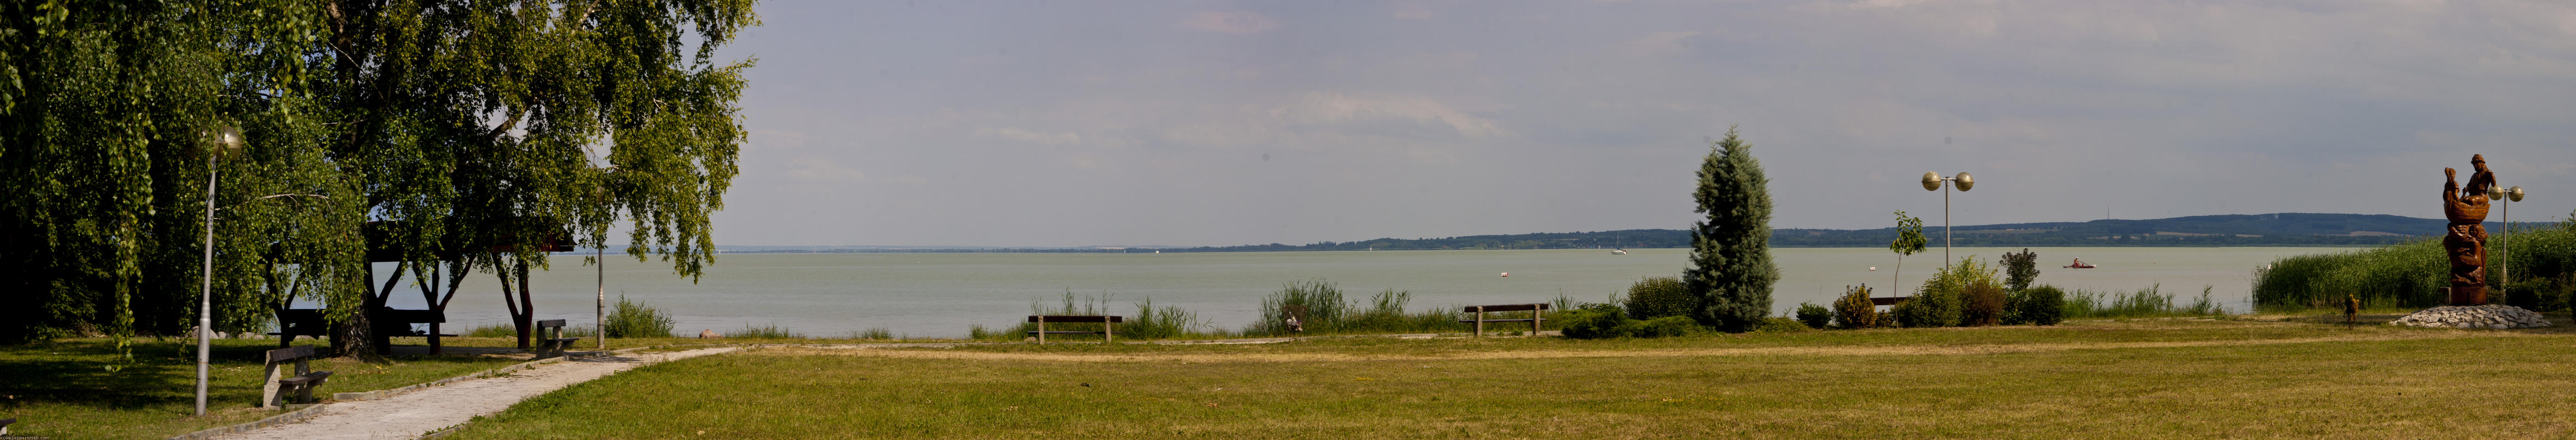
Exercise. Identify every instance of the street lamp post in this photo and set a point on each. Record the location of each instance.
(2504, 272)
(226, 140)
(1933, 181)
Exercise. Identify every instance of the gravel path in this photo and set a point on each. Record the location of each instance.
(413, 414)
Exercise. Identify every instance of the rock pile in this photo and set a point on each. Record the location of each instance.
(2495, 316)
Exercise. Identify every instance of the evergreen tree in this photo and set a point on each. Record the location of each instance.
(1731, 269)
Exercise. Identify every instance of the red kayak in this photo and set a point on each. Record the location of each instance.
(2079, 266)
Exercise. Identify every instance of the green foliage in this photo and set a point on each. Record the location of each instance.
(1855, 310)
(1781, 325)
(2040, 305)
(1657, 297)
(2143, 303)
(1603, 321)
(2020, 269)
(635, 320)
(1328, 312)
(1161, 323)
(1946, 298)
(1815, 316)
(978, 332)
(874, 334)
(1909, 240)
(1731, 270)
(771, 331)
(2411, 275)
(1984, 305)
(1597, 321)
(1666, 327)
(468, 126)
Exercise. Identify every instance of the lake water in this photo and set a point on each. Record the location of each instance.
(939, 295)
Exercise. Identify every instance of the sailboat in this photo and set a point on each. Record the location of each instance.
(1618, 252)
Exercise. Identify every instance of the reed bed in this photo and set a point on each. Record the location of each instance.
(2540, 261)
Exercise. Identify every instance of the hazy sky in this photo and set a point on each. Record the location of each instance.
(1030, 123)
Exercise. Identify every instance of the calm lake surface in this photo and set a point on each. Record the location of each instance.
(939, 295)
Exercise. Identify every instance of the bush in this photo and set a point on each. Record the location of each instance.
(1943, 300)
(1984, 306)
(1657, 297)
(1780, 325)
(1814, 316)
(1854, 309)
(1160, 323)
(2043, 305)
(2020, 269)
(1666, 326)
(771, 331)
(1598, 321)
(635, 320)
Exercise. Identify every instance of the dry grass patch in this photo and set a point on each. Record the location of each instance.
(2169, 379)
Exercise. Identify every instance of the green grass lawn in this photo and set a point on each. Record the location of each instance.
(63, 390)
(2087, 379)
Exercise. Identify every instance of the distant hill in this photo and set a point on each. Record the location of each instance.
(2285, 229)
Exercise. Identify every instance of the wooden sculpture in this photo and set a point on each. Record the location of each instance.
(2466, 207)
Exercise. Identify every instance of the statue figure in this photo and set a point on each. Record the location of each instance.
(2466, 208)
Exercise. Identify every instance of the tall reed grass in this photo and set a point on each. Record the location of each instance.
(2540, 259)
(2144, 303)
(1329, 312)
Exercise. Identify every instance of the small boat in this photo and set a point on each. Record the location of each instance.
(1618, 252)
(2080, 266)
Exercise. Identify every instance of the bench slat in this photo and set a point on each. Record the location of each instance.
(1887, 300)
(290, 353)
(1077, 319)
(550, 323)
(316, 376)
(1507, 307)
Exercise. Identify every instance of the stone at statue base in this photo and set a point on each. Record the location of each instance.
(2491, 316)
(2467, 296)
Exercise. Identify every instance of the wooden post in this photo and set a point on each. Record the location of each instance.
(1538, 316)
(1480, 321)
(1041, 329)
(1108, 331)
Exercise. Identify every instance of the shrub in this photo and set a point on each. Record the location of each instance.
(1935, 308)
(1598, 321)
(1666, 326)
(2043, 305)
(1160, 323)
(635, 320)
(1854, 309)
(771, 331)
(2020, 269)
(1657, 297)
(1814, 316)
(1984, 306)
(1943, 300)
(978, 332)
(1780, 325)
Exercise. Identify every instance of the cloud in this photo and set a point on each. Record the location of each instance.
(822, 170)
(1230, 22)
(1339, 109)
(1036, 137)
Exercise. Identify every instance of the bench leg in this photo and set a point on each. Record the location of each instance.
(1041, 331)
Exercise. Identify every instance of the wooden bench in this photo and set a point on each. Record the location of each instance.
(551, 342)
(4, 425)
(301, 385)
(1108, 325)
(1538, 315)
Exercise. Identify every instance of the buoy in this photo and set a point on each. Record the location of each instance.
(1873, 268)
(1507, 274)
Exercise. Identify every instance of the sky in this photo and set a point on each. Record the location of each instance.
(1133, 123)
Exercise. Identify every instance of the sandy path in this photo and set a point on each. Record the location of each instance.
(412, 414)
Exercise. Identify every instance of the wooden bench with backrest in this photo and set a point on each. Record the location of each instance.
(301, 385)
(1108, 325)
(1538, 315)
(551, 342)
(4, 425)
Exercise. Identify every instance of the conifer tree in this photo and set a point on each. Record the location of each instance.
(1731, 268)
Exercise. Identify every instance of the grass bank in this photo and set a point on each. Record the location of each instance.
(2084, 379)
(63, 390)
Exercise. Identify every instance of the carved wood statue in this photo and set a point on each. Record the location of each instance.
(2466, 208)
